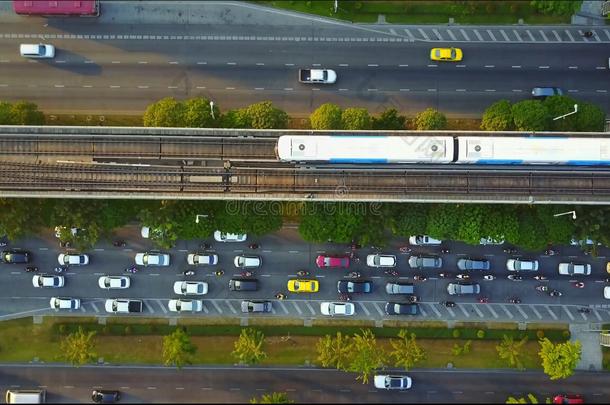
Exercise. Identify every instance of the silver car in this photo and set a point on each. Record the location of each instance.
(418, 262)
(255, 306)
(463, 288)
(521, 265)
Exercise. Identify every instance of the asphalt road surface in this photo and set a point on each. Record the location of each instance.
(306, 385)
(126, 73)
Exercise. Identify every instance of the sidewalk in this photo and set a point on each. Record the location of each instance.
(591, 359)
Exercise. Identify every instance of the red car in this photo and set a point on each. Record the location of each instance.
(332, 261)
(568, 399)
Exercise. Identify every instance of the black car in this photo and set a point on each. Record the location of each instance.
(400, 308)
(15, 256)
(105, 396)
(354, 286)
(237, 284)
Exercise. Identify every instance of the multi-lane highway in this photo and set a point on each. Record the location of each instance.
(129, 66)
(303, 385)
(283, 254)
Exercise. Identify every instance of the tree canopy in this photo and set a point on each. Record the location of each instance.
(498, 117)
(78, 347)
(430, 119)
(334, 351)
(405, 350)
(177, 348)
(356, 119)
(249, 346)
(389, 120)
(327, 116)
(530, 115)
(366, 356)
(559, 359)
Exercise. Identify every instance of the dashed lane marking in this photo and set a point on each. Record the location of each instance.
(230, 305)
(504, 35)
(565, 309)
(218, 309)
(572, 67)
(550, 312)
(569, 35)
(463, 32)
(517, 36)
(366, 311)
(463, 309)
(508, 313)
(308, 305)
(521, 311)
(536, 311)
(294, 304)
(479, 36)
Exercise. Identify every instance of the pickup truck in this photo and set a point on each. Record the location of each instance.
(123, 306)
(324, 76)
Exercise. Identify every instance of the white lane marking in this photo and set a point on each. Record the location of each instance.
(460, 89)
(550, 312)
(372, 89)
(451, 35)
(569, 35)
(489, 66)
(174, 62)
(115, 86)
(59, 85)
(380, 311)
(600, 68)
(543, 67)
(231, 63)
(288, 88)
(516, 66)
(308, 305)
(491, 34)
(230, 305)
(536, 311)
(464, 34)
(229, 88)
(572, 67)
(142, 87)
(523, 314)
(490, 89)
(404, 89)
(216, 306)
(288, 64)
(114, 62)
(200, 87)
(460, 66)
(372, 65)
(530, 35)
(601, 91)
(463, 308)
(479, 36)
(517, 35)
(557, 36)
(431, 89)
(343, 64)
(60, 61)
(403, 65)
(543, 35)
(294, 304)
(142, 62)
(433, 66)
(510, 315)
(565, 309)
(504, 35)
(343, 89)
(202, 63)
(436, 311)
(259, 88)
(366, 311)
(476, 308)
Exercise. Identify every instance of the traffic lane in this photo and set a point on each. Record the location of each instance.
(148, 384)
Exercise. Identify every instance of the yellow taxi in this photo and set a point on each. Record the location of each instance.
(446, 54)
(303, 286)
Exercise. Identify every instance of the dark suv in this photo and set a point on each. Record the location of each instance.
(238, 284)
(15, 256)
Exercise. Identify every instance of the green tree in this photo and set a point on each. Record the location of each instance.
(178, 348)
(197, 113)
(524, 400)
(556, 7)
(443, 221)
(530, 115)
(234, 119)
(389, 120)
(559, 359)
(409, 219)
(78, 347)
(500, 222)
(592, 222)
(589, 118)
(327, 116)
(355, 119)
(367, 356)
(471, 218)
(337, 222)
(558, 106)
(253, 217)
(166, 112)
(510, 351)
(405, 351)
(559, 230)
(430, 119)
(334, 351)
(249, 346)
(273, 398)
(498, 117)
(6, 116)
(26, 113)
(22, 216)
(79, 213)
(264, 115)
(531, 235)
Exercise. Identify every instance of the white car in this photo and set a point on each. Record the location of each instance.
(491, 241)
(191, 287)
(185, 305)
(424, 240)
(195, 259)
(48, 280)
(123, 306)
(584, 242)
(392, 382)
(152, 259)
(66, 259)
(114, 282)
(607, 293)
(521, 265)
(246, 261)
(574, 269)
(337, 308)
(229, 237)
(64, 303)
(381, 260)
(37, 51)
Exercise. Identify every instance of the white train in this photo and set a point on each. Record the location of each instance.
(445, 149)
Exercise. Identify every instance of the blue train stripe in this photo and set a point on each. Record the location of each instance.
(359, 136)
(347, 160)
(498, 162)
(588, 162)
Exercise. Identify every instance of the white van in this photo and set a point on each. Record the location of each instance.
(39, 51)
(26, 396)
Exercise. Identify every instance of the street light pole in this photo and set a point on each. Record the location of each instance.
(212, 110)
(565, 115)
(566, 213)
(200, 215)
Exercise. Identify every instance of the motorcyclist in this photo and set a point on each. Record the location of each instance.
(542, 288)
(515, 300)
(419, 277)
(463, 276)
(302, 273)
(253, 245)
(540, 278)
(219, 272)
(515, 277)
(579, 284)
(189, 272)
(280, 296)
(488, 277)
(483, 300)
(555, 293)
(448, 304)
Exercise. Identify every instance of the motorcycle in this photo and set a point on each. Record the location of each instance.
(132, 269)
(246, 273)
(540, 278)
(119, 243)
(253, 246)
(550, 252)
(280, 296)
(587, 34)
(205, 246)
(30, 269)
(555, 293)
(418, 277)
(510, 251)
(189, 272)
(579, 284)
(483, 300)
(219, 273)
(412, 298)
(444, 275)
(344, 297)
(392, 273)
(445, 250)
(489, 277)
(448, 304)
(60, 269)
(353, 274)
(584, 310)
(462, 276)
(302, 273)
(514, 300)
(542, 288)
(405, 249)
(515, 277)
(2, 244)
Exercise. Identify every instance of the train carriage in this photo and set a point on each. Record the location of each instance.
(534, 150)
(366, 149)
